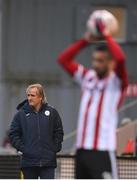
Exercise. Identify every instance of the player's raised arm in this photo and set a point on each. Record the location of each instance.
(66, 58)
(117, 54)
(119, 58)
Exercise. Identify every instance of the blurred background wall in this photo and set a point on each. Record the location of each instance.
(33, 33)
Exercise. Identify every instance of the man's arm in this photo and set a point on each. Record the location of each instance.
(66, 59)
(119, 58)
(117, 54)
(15, 133)
(58, 132)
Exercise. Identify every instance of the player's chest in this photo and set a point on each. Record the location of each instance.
(95, 85)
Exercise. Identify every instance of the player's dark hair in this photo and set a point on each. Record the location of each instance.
(104, 48)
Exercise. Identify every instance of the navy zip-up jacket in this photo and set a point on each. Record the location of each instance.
(38, 135)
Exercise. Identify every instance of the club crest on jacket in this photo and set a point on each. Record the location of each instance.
(47, 113)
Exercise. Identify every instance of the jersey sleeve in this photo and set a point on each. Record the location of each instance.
(80, 74)
(119, 57)
(67, 58)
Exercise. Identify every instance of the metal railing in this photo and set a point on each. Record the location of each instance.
(10, 167)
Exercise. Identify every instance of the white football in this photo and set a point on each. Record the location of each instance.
(107, 18)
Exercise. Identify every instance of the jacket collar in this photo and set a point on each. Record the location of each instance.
(28, 109)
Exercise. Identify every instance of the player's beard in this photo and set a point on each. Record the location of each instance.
(102, 73)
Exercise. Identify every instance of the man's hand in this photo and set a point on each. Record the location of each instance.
(90, 38)
(102, 30)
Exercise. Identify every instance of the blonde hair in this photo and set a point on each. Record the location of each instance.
(40, 89)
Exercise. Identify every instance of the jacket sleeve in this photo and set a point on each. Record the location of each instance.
(15, 133)
(58, 132)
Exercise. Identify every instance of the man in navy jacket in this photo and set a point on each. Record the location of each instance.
(37, 132)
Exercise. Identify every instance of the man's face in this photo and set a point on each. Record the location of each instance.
(33, 97)
(101, 63)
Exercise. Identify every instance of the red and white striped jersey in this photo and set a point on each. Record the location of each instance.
(100, 99)
(97, 119)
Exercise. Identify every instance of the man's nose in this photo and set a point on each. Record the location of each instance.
(29, 97)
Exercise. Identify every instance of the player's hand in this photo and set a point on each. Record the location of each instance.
(90, 38)
(101, 28)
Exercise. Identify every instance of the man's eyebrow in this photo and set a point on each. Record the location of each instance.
(31, 94)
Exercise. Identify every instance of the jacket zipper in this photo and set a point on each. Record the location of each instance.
(39, 133)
